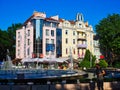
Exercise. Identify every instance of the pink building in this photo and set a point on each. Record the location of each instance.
(37, 37)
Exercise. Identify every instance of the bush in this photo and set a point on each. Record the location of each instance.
(103, 63)
(116, 64)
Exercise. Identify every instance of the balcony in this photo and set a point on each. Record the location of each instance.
(96, 45)
(79, 37)
(82, 45)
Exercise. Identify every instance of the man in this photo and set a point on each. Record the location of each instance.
(99, 72)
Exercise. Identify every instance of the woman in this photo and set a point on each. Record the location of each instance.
(100, 73)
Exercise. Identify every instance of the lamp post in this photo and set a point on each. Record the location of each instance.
(71, 59)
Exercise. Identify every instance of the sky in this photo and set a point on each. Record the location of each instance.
(17, 11)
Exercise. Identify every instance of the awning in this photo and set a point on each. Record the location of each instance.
(48, 60)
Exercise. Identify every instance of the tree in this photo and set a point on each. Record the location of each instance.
(7, 41)
(85, 63)
(12, 35)
(4, 43)
(88, 61)
(108, 31)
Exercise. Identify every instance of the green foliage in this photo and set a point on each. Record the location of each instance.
(88, 61)
(7, 41)
(93, 60)
(87, 55)
(103, 63)
(84, 63)
(116, 64)
(108, 31)
(4, 43)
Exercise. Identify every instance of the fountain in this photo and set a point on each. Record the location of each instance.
(8, 63)
(25, 75)
(71, 62)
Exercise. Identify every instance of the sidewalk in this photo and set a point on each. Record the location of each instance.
(80, 86)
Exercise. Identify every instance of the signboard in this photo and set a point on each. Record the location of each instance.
(101, 56)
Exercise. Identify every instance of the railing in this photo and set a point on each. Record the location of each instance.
(81, 37)
(82, 46)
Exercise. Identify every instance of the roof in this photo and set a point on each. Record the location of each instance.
(51, 20)
(72, 22)
(61, 20)
(28, 20)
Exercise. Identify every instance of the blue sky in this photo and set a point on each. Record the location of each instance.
(17, 11)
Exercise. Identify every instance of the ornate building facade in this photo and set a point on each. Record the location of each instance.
(76, 36)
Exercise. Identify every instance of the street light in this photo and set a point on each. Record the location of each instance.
(71, 59)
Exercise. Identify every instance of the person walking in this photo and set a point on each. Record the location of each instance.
(100, 77)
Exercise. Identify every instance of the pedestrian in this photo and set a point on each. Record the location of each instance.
(100, 76)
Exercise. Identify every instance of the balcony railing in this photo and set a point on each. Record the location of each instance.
(82, 46)
(81, 37)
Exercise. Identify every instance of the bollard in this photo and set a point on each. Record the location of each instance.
(78, 81)
(64, 82)
(30, 84)
(48, 83)
(92, 85)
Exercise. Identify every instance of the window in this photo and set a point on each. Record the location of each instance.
(52, 32)
(54, 24)
(73, 33)
(18, 52)
(82, 34)
(47, 41)
(52, 53)
(66, 32)
(18, 43)
(91, 43)
(66, 51)
(28, 32)
(47, 32)
(73, 51)
(47, 24)
(52, 41)
(28, 51)
(66, 40)
(18, 34)
(28, 41)
(73, 41)
(47, 53)
(80, 25)
(66, 24)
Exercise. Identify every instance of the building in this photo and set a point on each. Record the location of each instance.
(53, 37)
(76, 36)
(37, 38)
(97, 47)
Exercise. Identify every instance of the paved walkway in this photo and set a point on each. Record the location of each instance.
(80, 86)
